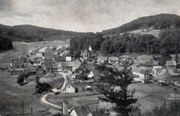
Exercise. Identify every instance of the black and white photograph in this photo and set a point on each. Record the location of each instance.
(89, 57)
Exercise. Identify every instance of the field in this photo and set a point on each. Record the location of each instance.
(152, 95)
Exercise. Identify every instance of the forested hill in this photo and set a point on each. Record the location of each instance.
(159, 34)
(161, 21)
(31, 33)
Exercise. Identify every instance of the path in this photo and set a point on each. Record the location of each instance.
(43, 99)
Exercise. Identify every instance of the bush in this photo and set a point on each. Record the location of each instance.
(41, 87)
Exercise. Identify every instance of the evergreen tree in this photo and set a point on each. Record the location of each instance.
(115, 89)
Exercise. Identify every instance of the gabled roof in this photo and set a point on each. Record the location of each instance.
(102, 58)
(84, 110)
(171, 62)
(113, 58)
(60, 58)
(91, 74)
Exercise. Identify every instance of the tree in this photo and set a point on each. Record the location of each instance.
(5, 43)
(41, 87)
(115, 89)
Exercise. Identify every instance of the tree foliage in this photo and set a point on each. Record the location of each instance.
(167, 43)
(115, 89)
(41, 87)
(161, 21)
(5, 43)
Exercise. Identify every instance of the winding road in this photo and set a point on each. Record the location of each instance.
(43, 99)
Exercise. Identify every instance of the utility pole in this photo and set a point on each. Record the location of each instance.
(22, 106)
(175, 90)
(31, 108)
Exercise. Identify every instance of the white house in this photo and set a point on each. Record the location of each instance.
(69, 89)
(39, 55)
(68, 58)
(42, 50)
(83, 110)
(160, 73)
(171, 64)
(140, 77)
(91, 74)
(101, 59)
(113, 60)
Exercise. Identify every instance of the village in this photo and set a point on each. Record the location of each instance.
(73, 80)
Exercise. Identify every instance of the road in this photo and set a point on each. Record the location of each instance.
(43, 99)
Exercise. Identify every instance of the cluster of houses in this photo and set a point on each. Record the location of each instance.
(48, 59)
(59, 59)
(145, 68)
(151, 70)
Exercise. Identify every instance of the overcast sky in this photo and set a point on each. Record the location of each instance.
(81, 15)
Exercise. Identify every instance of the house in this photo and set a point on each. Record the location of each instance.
(139, 77)
(16, 71)
(39, 55)
(37, 62)
(157, 57)
(83, 110)
(67, 66)
(125, 58)
(113, 60)
(72, 65)
(41, 70)
(171, 64)
(31, 68)
(59, 47)
(42, 50)
(68, 58)
(85, 55)
(90, 75)
(63, 58)
(66, 53)
(101, 59)
(36, 69)
(60, 58)
(160, 73)
(56, 67)
(69, 89)
(53, 66)
(17, 63)
(174, 73)
(173, 68)
(67, 46)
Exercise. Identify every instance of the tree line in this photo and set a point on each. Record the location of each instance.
(168, 42)
(5, 43)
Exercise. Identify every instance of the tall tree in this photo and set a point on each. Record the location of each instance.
(115, 88)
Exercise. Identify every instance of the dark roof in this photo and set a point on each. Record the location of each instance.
(171, 62)
(60, 58)
(85, 109)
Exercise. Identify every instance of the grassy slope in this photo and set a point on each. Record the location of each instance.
(12, 95)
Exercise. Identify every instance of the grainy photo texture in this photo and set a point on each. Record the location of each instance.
(89, 57)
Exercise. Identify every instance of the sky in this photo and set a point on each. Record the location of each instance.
(81, 15)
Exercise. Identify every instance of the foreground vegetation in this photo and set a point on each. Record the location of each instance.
(115, 88)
